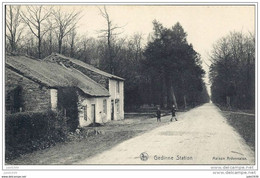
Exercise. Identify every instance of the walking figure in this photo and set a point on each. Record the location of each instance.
(173, 113)
(158, 114)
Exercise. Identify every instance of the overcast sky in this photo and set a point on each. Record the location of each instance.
(203, 24)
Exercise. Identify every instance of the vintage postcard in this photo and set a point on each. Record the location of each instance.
(157, 85)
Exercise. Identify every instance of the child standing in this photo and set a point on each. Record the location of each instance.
(173, 113)
(158, 114)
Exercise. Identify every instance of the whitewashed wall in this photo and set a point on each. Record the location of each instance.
(98, 101)
(115, 95)
(54, 99)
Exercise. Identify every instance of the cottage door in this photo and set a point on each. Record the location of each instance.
(112, 109)
(93, 113)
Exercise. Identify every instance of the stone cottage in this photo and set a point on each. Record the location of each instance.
(113, 107)
(41, 85)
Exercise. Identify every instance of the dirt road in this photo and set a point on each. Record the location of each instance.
(200, 136)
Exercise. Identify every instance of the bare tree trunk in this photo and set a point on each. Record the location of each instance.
(72, 44)
(185, 102)
(39, 48)
(39, 41)
(34, 17)
(108, 33)
(228, 101)
(72, 50)
(173, 96)
(60, 46)
(50, 41)
(164, 88)
(31, 46)
(13, 23)
(66, 22)
(50, 48)
(109, 47)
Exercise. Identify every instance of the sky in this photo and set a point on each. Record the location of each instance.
(204, 25)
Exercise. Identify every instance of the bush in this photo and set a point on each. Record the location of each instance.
(29, 131)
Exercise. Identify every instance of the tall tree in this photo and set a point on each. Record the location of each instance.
(136, 45)
(72, 42)
(37, 19)
(14, 27)
(233, 66)
(174, 65)
(65, 23)
(50, 40)
(109, 34)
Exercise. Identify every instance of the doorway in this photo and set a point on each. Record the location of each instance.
(93, 113)
(112, 109)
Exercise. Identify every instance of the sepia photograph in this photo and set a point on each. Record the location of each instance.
(129, 84)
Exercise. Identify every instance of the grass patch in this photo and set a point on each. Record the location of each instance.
(245, 126)
(87, 143)
(224, 108)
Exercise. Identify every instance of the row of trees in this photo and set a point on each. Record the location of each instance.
(37, 22)
(166, 70)
(232, 73)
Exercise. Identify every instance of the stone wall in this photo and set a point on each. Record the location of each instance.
(34, 96)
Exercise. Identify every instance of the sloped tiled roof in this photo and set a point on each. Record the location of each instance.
(53, 56)
(54, 75)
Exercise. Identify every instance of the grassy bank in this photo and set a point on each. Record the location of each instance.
(245, 126)
(224, 108)
(91, 141)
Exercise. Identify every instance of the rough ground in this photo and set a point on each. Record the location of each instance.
(87, 144)
(201, 136)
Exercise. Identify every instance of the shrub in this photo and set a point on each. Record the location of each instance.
(29, 131)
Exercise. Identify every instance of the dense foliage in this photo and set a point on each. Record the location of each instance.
(232, 72)
(67, 104)
(29, 131)
(174, 68)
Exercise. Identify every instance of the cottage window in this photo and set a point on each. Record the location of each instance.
(117, 107)
(117, 87)
(85, 111)
(105, 106)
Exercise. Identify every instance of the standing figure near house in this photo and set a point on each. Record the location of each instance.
(173, 113)
(158, 114)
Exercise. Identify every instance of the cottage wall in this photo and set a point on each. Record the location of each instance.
(54, 99)
(117, 96)
(85, 104)
(110, 84)
(35, 97)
